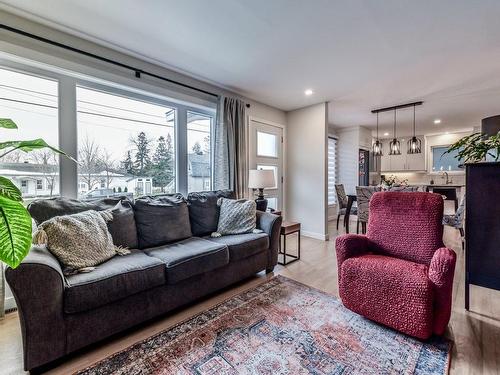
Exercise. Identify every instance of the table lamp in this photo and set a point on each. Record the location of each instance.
(261, 179)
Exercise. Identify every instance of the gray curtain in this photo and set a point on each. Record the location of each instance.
(230, 154)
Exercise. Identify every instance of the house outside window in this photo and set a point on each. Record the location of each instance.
(39, 184)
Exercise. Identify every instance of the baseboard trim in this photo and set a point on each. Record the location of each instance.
(10, 303)
(317, 236)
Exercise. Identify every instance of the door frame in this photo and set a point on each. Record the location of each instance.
(283, 147)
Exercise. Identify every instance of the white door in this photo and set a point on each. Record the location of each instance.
(266, 152)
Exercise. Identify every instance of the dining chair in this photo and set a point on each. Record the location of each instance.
(342, 203)
(364, 194)
(456, 220)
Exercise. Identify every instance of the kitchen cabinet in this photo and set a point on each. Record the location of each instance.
(403, 162)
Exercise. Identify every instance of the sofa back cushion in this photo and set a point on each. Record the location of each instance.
(122, 227)
(204, 211)
(161, 220)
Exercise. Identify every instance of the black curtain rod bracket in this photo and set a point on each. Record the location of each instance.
(138, 72)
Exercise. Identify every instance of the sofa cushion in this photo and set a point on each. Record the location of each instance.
(243, 245)
(190, 257)
(391, 291)
(118, 278)
(204, 211)
(161, 220)
(122, 227)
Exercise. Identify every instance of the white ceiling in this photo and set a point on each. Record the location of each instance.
(357, 54)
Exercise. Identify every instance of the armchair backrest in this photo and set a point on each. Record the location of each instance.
(406, 225)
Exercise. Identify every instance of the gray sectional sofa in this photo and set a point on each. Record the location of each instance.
(173, 261)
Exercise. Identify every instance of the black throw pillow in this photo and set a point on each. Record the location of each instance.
(204, 212)
(161, 220)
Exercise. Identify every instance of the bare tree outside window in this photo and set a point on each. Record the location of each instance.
(89, 159)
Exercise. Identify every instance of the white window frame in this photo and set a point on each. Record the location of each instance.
(68, 125)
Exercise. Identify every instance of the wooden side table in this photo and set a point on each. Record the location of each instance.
(288, 228)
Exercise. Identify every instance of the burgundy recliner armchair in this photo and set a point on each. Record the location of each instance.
(399, 274)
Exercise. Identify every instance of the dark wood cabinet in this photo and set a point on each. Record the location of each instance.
(482, 226)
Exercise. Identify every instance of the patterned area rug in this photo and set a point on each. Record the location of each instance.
(279, 327)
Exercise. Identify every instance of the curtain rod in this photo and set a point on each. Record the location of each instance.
(397, 107)
(138, 72)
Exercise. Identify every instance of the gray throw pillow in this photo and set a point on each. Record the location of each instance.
(236, 217)
(161, 220)
(80, 241)
(204, 211)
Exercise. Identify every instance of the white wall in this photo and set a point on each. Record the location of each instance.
(306, 189)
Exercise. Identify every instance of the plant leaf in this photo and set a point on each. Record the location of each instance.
(7, 123)
(9, 190)
(31, 145)
(15, 232)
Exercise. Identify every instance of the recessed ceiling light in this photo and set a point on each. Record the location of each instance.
(386, 134)
(308, 92)
(437, 121)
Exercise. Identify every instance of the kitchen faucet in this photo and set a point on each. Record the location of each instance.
(448, 181)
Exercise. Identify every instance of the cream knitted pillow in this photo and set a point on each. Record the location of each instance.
(80, 241)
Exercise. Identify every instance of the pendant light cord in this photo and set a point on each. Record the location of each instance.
(377, 126)
(394, 123)
(414, 131)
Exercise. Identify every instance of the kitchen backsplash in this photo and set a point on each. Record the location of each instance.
(422, 178)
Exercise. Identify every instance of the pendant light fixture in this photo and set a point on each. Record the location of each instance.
(377, 146)
(394, 145)
(414, 144)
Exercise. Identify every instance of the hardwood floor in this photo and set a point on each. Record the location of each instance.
(476, 334)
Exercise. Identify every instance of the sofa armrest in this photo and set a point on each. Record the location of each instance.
(441, 272)
(270, 224)
(38, 288)
(350, 245)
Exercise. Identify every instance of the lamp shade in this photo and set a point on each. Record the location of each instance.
(261, 178)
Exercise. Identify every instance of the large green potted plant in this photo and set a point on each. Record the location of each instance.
(15, 221)
(476, 147)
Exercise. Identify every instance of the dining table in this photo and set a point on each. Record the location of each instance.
(350, 199)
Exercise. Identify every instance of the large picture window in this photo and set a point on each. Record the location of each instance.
(125, 146)
(199, 129)
(32, 103)
(127, 141)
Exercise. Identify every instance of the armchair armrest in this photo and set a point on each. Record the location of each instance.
(441, 272)
(270, 224)
(350, 245)
(38, 288)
